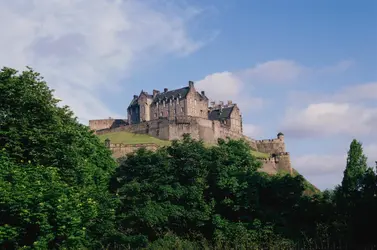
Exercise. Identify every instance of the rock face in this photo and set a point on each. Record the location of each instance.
(168, 115)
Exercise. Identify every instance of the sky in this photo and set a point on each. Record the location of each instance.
(305, 68)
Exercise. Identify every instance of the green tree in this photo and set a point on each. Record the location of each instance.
(355, 169)
(195, 192)
(56, 148)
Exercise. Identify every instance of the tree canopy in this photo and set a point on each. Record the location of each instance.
(60, 188)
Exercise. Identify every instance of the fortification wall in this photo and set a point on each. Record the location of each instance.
(120, 149)
(269, 166)
(283, 161)
(102, 123)
(271, 146)
(157, 128)
(173, 129)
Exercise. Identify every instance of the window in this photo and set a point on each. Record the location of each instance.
(155, 114)
(201, 112)
(163, 103)
(161, 114)
(195, 102)
(181, 109)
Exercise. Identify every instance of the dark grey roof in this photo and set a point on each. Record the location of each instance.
(134, 101)
(220, 114)
(172, 93)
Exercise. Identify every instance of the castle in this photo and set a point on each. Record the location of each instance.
(168, 115)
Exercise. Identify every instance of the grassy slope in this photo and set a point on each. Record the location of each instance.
(130, 138)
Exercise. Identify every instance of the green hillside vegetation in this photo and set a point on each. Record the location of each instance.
(60, 188)
(131, 138)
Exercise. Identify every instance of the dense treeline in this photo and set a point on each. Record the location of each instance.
(61, 189)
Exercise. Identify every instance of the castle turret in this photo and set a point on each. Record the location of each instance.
(280, 136)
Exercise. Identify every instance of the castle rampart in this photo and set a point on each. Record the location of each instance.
(107, 123)
(120, 149)
(168, 115)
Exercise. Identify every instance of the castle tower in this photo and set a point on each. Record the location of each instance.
(280, 136)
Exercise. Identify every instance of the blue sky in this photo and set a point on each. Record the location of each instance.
(306, 68)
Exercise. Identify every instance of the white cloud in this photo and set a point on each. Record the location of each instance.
(326, 171)
(370, 151)
(277, 71)
(311, 165)
(252, 130)
(359, 92)
(322, 119)
(355, 93)
(339, 67)
(239, 85)
(221, 85)
(83, 47)
(225, 86)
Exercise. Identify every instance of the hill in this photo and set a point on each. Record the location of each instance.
(131, 139)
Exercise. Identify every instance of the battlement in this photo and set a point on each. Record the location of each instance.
(268, 160)
(282, 154)
(268, 140)
(221, 104)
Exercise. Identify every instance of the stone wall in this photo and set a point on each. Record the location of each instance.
(196, 104)
(173, 129)
(284, 162)
(271, 146)
(236, 120)
(106, 123)
(158, 128)
(120, 149)
(271, 165)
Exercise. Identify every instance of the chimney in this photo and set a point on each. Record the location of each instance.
(203, 93)
(155, 92)
(165, 90)
(229, 102)
(191, 84)
(135, 96)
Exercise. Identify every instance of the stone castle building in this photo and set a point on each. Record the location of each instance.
(168, 115)
(180, 103)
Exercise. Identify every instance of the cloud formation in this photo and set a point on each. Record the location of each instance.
(326, 170)
(346, 112)
(84, 47)
(325, 119)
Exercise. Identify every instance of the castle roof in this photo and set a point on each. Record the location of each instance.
(176, 93)
(220, 113)
(182, 92)
(134, 100)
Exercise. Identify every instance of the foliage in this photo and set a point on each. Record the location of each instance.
(214, 192)
(59, 189)
(54, 171)
(131, 138)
